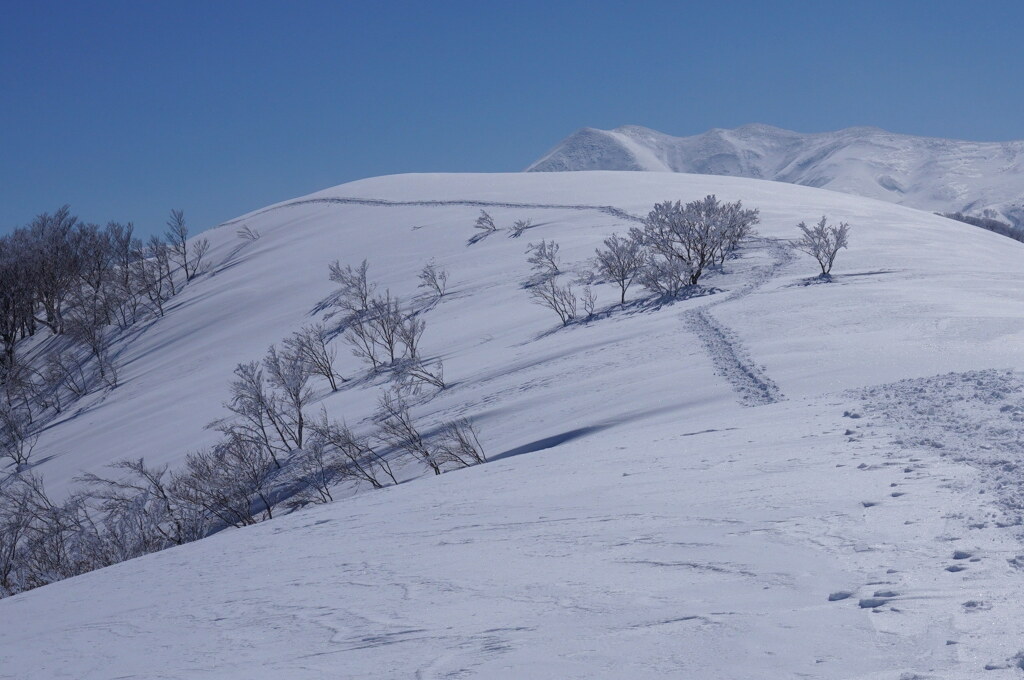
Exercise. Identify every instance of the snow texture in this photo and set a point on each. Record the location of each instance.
(653, 507)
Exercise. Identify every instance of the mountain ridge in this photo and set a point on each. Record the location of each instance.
(984, 179)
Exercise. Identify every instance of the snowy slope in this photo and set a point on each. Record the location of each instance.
(673, 492)
(939, 175)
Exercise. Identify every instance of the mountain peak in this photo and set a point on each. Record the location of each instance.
(940, 175)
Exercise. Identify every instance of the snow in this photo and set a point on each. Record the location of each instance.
(939, 175)
(683, 491)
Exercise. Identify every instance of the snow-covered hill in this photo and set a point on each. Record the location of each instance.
(780, 478)
(940, 175)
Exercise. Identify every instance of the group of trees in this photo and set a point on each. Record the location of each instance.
(272, 453)
(486, 226)
(382, 331)
(82, 284)
(677, 244)
(671, 252)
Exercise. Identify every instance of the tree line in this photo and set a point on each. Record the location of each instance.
(273, 452)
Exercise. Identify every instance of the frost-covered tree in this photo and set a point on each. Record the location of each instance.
(543, 258)
(621, 261)
(288, 375)
(823, 242)
(696, 234)
(355, 289)
(311, 345)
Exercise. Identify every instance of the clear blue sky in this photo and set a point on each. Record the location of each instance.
(128, 109)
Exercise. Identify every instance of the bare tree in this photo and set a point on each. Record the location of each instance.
(231, 482)
(622, 260)
(288, 373)
(385, 319)
(199, 250)
(363, 341)
(350, 457)
(543, 258)
(259, 417)
(412, 375)
(54, 263)
(460, 445)
(145, 492)
(589, 301)
(311, 345)
(434, 279)
(664, 277)
(823, 242)
(17, 435)
(355, 289)
(559, 299)
(410, 331)
(485, 223)
(396, 429)
(518, 227)
(177, 238)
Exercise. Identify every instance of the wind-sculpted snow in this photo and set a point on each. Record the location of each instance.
(975, 417)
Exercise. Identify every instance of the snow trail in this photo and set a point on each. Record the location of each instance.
(607, 209)
(731, 359)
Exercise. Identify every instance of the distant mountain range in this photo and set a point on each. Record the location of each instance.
(942, 175)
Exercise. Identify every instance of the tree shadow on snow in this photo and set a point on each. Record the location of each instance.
(549, 442)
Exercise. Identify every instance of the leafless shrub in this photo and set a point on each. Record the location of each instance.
(559, 299)
(589, 301)
(434, 279)
(311, 345)
(518, 227)
(696, 234)
(666, 278)
(143, 496)
(355, 288)
(823, 242)
(543, 258)
(17, 435)
(485, 223)
(231, 481)
(341, 455)
(414, 374)
(396, 429)
(459, 444)
(621, 260)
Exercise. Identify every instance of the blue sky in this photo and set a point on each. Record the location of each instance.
(128, 109)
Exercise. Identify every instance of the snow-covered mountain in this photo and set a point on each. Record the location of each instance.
(940, 175)
(776, 479)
